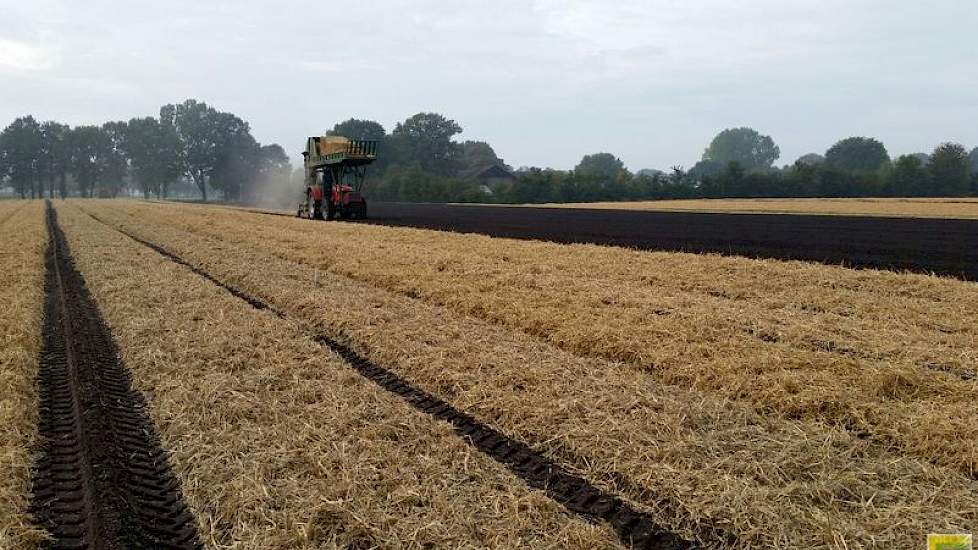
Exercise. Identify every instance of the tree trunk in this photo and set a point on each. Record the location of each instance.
(201, 183)
(63, 185)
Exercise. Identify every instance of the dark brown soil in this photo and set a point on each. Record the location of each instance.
(943, 246)
(635, 528)
(101, 480)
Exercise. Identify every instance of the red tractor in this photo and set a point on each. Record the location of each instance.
(335, 171)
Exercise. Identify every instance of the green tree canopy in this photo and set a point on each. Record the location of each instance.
(601, 165)
(478, 154)
(355, 128)
(949, 169)
(216, 148)
(811, 159)
(974, 160)
(55, 157)
(21, 146)
(154, 154)
(426, 139)
(745, 146)
(907, 177)
(706, 168)
(857, 154)
(94, 158)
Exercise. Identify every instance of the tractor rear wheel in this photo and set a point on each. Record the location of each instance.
(359, 211)
(330, 210)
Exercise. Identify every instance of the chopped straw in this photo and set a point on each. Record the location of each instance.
(701, 435)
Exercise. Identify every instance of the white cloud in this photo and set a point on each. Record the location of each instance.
(21, 56)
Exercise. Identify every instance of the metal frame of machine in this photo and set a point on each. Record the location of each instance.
(335, 173)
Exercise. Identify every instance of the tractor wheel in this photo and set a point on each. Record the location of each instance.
(358, 211)
(315, 209)
(330, 210)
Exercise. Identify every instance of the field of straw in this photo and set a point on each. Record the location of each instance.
(22, 245)
(903, 208)
(279, 444)
(743, 402)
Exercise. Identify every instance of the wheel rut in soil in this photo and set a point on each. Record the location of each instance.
(101, 480)
(633, 527)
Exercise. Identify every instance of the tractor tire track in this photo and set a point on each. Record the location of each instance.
(634, 527)
(102, 480)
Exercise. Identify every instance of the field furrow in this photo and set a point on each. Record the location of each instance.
(22, 243)
(891, 357)
(702, 463)
(280, 445)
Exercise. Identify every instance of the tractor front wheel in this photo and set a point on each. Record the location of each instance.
(330, 210)
(315, 211)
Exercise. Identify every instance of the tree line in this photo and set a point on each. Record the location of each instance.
(420, 161)
(195, 146)
(190, 142)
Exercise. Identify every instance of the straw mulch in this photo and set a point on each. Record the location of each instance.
(22, 243)
(279, 444)
(963, 207)
(707, 459)
(888, 355)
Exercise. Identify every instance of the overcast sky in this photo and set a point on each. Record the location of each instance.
(544, 82)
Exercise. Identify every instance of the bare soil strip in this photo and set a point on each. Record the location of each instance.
(102, 480)
(633, 527)
(943, 246)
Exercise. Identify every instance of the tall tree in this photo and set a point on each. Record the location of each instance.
(857, 154)
(21, 146)
(114, 163)
(87, 146)
(974, 160)
(745, 146)
(478, 154)
(154, 155)
(600, 165)
(907, 177)
(274, 172)
(238, 158)
(196, 127)
(55, 157)
(949, 169)
(97, 160)
(355, 128)
(426, 139)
